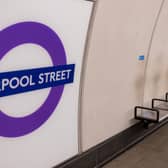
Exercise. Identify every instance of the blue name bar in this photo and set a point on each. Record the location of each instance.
(34, 79)
(141, 58)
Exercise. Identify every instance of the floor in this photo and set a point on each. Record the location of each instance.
(152, 152)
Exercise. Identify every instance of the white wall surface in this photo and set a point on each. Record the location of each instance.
(114, 77)
(157, 69)
(57, 139)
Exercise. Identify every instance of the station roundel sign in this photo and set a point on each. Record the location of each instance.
(42, 35)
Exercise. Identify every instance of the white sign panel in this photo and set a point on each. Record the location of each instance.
(41, 53)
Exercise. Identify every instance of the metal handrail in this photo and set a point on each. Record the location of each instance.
(161, 100)
(146, 108)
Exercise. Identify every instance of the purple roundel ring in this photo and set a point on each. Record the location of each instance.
(42, 35)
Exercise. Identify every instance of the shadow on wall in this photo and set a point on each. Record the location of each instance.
(152, 83)
(166, 80)
(156, 75)
(139, 84)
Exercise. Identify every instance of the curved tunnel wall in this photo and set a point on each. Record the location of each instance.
(114, 76)
(156, 84)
